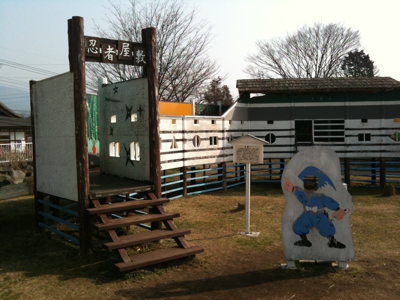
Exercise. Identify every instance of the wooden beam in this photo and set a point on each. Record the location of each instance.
(184, 180)
(149, 39)
(76, 43)
(224, 176)
(382, 174)
(347, 171)
(38, 206)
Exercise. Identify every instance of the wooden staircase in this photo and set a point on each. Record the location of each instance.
(156, 214)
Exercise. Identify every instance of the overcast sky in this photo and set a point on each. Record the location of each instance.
(34, 32)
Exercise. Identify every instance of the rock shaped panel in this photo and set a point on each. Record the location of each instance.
(316, 219)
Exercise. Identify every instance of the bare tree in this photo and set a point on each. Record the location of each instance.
(311, 52)
(184, 65)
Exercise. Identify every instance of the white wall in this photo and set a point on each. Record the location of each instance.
(53, 112)
(113, 100)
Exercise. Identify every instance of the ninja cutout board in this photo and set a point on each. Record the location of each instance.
(316, 219)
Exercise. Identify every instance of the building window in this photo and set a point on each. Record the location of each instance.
(364, 137)
(114, 119)
(230, 138)
(328, 131)
(213, 122)
(135, 151)
(196, 122)
(174, 145)
(395, 136)
(173, 121)
(270, 122)
(196, 141)
(304, 131)
(213, 140)
(364, 120)
(270, 138)
(114, 149)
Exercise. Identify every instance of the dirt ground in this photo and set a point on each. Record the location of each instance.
(231, 267)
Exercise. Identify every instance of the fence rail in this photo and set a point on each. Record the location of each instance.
(207, 178)
(16, 152)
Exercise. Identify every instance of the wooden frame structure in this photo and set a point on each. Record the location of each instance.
(67, 177)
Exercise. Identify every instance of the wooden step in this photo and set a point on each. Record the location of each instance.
(128, 205)
(134, 220)
(146, 237)
(158, 256)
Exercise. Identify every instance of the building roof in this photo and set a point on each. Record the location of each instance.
(303, 85)
(8, 122)
(6, 112)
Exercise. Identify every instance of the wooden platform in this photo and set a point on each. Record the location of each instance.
(107, 185)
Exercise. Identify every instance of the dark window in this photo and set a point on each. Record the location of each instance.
(367, 137)
(304, 131)
(212, 121)
(270, 121)
(270, 138)
(361, 137)
(364, 120)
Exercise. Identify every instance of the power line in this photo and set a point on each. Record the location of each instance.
(17, 97)
(27, 68)
(14, 87)
(31, 53)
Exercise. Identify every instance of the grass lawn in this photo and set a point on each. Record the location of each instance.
(44, 266)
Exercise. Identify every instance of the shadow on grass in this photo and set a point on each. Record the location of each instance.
(22, 250)
(221, 283)
(37, 254)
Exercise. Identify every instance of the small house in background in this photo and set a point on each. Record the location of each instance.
(14, 129)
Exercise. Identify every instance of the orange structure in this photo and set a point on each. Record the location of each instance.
(175, 108)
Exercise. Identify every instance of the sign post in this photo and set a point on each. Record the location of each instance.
(248, 149)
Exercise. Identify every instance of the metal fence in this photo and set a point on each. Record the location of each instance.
(16, 152)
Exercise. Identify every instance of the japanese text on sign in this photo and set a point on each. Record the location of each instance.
(247, 154)
(114, 51)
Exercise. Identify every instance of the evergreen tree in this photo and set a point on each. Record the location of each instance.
(217, 92)
(358, 64)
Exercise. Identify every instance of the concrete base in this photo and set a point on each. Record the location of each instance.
(291, 264)
(341, 265)
(250, 234)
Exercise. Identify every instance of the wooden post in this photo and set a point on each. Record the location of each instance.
(76, 43)
(224, 176)
(347, 171)
(241, 168)
(38, 206)
(55, 200)
(373, 171)
(282, 166)
(184, 182)
(149, 38)
(382, 174)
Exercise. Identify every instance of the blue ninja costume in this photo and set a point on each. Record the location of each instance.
(315, 214)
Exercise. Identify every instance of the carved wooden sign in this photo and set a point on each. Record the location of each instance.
(248, 149)
(114, 51)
